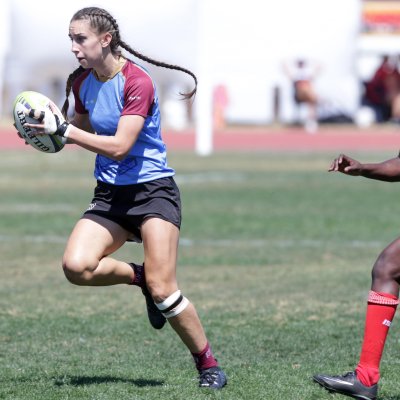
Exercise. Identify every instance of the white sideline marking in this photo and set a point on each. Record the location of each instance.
(35, 208)
(33, 239)
(212, 177)
(186, 242)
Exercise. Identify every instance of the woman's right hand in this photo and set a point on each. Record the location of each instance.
(346, 165)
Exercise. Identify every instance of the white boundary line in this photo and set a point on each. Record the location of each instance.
(256, 243)
(186, 242)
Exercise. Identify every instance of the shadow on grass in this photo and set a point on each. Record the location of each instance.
(95, 380)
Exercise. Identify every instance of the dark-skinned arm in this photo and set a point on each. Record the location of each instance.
(388, 171)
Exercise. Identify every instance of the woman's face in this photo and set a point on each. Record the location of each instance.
(86, 44)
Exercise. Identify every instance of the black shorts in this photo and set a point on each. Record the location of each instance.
(130, 205)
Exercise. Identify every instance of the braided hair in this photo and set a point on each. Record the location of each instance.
(102, 21)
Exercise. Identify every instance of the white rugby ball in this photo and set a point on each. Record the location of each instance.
(23, 103)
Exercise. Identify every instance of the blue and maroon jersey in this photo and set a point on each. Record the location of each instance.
(130, 92)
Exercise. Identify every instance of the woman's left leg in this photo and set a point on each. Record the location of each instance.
(160, 240)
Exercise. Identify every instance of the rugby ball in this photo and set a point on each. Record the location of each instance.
(23, 103)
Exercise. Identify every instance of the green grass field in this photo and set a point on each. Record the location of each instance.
(275, 253)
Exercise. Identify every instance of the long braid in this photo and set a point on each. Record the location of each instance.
(129, 49)
(99, 17)
(68, 88)
(164, 65)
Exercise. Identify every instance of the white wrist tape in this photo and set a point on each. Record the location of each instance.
(66, 134)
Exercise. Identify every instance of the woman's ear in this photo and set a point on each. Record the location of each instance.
(106, 39)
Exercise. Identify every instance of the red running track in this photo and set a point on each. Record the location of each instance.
(329, 138)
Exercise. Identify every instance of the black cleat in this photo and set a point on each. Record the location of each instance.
(348, 385)
(213, 378)
(157, 320)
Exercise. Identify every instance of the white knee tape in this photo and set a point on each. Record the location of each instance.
(173, 305)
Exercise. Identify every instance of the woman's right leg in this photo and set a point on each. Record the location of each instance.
(86, 260)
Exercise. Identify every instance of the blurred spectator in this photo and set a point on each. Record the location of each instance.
(382, 92)
(302, 74)
(220, 102)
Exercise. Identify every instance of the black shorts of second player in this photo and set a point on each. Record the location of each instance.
(130, 205)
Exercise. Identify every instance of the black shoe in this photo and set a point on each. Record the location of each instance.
(157, 320)
(213, 378)
(347, 384)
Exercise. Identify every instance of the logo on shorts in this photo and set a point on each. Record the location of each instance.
(91, 206)
(386, 322)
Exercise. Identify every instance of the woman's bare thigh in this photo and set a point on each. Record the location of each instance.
(95, 237)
